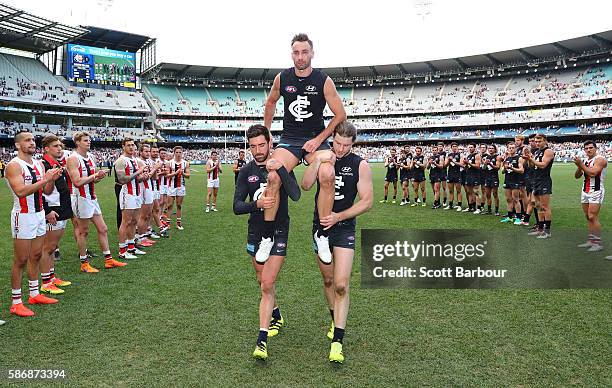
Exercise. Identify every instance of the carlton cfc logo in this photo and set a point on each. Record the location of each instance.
(291, 89)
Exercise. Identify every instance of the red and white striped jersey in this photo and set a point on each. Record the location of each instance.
(131, 165)
(62, 162)
(159, 178)
(214, 174)
(177, 180)
(148, 183)
(594, 183)
(87, 167)
(31, 174)
(166, 181)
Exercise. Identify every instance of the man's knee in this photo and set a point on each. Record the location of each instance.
(341, 288)
(328, 281)
(103, 230)
(267, 286)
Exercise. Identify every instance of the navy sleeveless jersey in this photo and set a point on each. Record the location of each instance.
(304, 102)
(541, 173)
(347, 176)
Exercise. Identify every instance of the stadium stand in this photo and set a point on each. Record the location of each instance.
(26, 79)
(576, 84)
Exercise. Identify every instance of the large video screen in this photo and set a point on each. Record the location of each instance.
(101, 66)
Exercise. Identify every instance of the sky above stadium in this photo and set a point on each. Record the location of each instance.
(258, 33)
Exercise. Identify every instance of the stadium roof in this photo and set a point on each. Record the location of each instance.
(570, 49)
(111, 39)
(23, 31)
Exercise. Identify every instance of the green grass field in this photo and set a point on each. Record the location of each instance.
(186, 314)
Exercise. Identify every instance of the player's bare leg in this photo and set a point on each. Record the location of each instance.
(81, 233)
(126, 242)
(394, 191)
(215, 191)
(327, 273)
(423, 195)
(208, 195)
(545, 214)
(50, 243)
(415, 186)
(444, 191)
(268, 276)
(274, 182)
(591, 213)
(495, 191)
(179, 212)
(386, 192)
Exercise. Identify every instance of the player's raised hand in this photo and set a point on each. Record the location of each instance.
(52, 174)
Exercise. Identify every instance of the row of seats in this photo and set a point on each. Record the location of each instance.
(9, 129)
(574, 84)
(373, 136)
(423, 121)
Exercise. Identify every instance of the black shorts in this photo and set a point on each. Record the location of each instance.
(542, 187)
(418, 176)
(296, 148)
(491, 181)
(405, 176)
(434, 176)
(341, 235)
(391, 177)
(281, 237)
(512, 185)
(454, 178)
(529, 185)
(472, 180)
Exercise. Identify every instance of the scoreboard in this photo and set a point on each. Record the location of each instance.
(100, 66)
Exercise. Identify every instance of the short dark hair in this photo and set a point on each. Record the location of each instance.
(540, 136)
(492, 145)
(346, 129)
(49, 139)
(154, 145)
(589, 142)
(454, 144)
(472, 144)
(418, 148)
(440, 143)
(162, 149)
(19, 136)
(177, 148)
(258, 130)
(126, 140)
(532, 136)
(301, 37)
(214, 152)
(143, 146)
(510, 143)
(240, 152)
